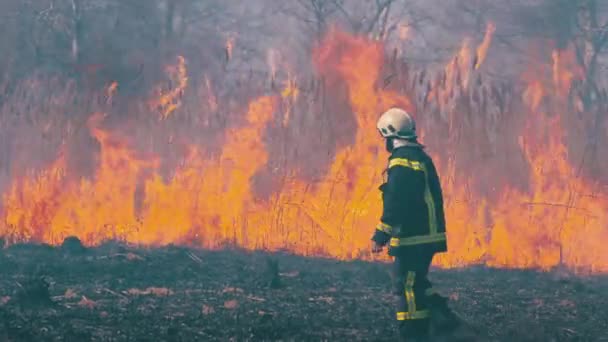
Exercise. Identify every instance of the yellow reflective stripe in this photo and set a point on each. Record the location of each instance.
(411, 313)
(417, 240)
(430, 203)
(402, 316)
(383, 227)
(412, 164)
(409, 291)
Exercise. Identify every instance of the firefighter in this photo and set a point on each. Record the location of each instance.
(412, 223)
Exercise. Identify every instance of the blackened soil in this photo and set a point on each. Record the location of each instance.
(120, 293)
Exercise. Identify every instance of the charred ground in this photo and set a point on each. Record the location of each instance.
(118, 293)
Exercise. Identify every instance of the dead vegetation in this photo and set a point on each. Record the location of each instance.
(178, 294)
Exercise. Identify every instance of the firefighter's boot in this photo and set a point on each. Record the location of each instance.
(442, 317)
(415, 331)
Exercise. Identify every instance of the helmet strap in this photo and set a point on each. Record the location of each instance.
(390, 144)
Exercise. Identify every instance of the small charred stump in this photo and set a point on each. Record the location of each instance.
(34, 292)
(272, 266)
(173, 334)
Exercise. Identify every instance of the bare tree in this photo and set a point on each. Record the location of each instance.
(367, 17)
(314, 14)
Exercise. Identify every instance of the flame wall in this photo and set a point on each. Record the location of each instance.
(299, 169)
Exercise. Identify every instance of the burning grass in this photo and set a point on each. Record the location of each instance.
(180, 294)
(298, 168)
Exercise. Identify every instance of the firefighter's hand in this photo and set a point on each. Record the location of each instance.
(376, 247)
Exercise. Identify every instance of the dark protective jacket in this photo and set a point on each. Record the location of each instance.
(412, 216)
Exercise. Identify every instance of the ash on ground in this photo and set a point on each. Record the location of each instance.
(118, 293)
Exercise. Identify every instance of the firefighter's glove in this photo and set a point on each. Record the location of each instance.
(379, 240)
(376, 248)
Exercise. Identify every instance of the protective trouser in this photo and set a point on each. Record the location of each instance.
(413, 290)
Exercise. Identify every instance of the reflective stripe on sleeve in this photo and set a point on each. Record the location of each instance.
(412, 164)
(383, 227)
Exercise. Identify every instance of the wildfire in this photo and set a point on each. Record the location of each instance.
(210, 199)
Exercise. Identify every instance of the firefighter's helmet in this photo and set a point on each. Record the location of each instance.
(397, 123)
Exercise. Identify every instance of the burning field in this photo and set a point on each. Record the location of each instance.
(516, 196)
(220, 182)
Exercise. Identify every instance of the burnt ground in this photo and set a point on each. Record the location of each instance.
(114, 293)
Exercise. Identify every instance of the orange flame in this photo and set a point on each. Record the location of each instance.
(206, 200)
(169, 101)
(482, 50)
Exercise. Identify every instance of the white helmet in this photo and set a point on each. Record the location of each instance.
(397, 123)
